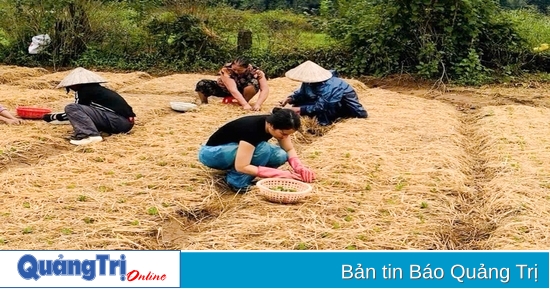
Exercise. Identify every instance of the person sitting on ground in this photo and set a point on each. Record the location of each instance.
(241, 148)
(323, 95)
(238, 79)
(96, 108)
(7, 117)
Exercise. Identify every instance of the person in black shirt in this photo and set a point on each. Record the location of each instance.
(241, 148)
(96, 108)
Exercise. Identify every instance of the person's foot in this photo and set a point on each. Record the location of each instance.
(242, 190)
(86, 141)
(56, 118)
(59, 122)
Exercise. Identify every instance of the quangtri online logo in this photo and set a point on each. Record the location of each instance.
(29, 267)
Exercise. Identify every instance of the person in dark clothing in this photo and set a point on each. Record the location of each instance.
(96, 108)
(323, 95)
(241, 148)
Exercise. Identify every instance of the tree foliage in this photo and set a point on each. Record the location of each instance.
(464, 39)
(542, 5)
(264, 5)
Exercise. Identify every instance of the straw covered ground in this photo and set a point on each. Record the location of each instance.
(424, 171)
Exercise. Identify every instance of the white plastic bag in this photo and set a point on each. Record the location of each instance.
(39, 42)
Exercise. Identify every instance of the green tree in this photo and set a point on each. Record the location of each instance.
(513, 4)
(542, 5)
(264, 5)
(460, 38)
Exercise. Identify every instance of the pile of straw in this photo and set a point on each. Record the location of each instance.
(417, 174)
(382, 185)
(516, 195)
(11, 74)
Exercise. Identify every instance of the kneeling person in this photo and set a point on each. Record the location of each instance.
(96, 108)
(323, 95)
(241, 148)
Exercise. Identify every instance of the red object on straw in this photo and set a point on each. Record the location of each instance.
(31, 112)
(228, 99)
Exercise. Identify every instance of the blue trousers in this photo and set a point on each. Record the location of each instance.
(223, 158)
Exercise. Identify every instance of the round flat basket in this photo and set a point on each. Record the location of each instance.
(31, 112)
(283, 191)
(182, 106)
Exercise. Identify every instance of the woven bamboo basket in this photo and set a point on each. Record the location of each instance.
(283, 191)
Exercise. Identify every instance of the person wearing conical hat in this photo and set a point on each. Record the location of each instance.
(323, 95)
(96, 109)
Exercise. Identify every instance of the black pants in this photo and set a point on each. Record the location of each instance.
(210, 87)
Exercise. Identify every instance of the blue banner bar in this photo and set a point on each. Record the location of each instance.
(361, 269)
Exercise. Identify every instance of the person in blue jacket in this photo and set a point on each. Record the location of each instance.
(323, 95)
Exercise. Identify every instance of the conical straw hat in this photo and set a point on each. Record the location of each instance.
(80, 76)
(308, 71)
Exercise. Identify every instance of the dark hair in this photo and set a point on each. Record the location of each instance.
(241, 61)
(284, 118)
(76, 87)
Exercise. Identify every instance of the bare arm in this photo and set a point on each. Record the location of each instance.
(231, 85)
(4, 119)
(7, 114)
(264, 89)
(8, 118)
(287, 145)
(245, 151)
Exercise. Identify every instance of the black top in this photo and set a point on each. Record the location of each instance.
(101, 97)
(250, 129)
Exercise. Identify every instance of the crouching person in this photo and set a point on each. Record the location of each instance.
(96, 109)
(241, 148)
(323, 95)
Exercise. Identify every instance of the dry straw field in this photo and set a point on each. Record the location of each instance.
(422, 172)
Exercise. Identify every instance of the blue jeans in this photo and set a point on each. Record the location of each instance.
(223, 158)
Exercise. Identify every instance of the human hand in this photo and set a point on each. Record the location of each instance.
(306, 174)
(266, 172)
(14, 121)
(284, 102)
(289, 175)
(247, 107)
(296, 109)
(256, 107)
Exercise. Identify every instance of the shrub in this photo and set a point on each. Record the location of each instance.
(454, 37)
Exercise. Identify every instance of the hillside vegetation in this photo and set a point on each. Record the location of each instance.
(465, 41)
